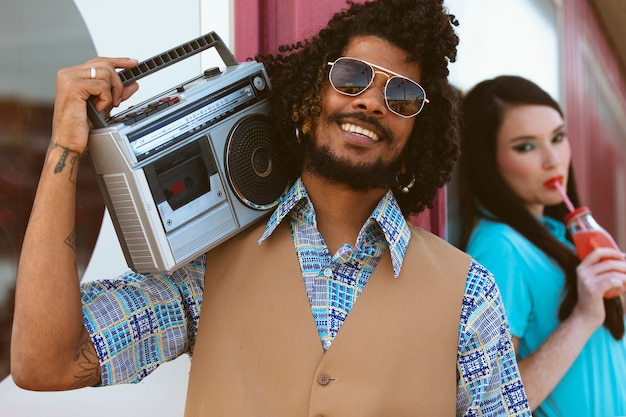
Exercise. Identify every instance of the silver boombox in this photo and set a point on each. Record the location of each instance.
(187, 169)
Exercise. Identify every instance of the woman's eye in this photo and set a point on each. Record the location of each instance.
(524, 147)
(559, 137)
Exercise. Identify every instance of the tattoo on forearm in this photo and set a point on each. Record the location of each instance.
(61, 163)
(85, 358)
(63, 160)
(71, 240)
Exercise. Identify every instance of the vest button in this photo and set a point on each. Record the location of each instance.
(323, 379)
(328, 272)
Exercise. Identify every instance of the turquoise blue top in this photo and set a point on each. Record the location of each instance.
(532, 286)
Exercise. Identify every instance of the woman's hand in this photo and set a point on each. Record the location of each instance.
(602, 270)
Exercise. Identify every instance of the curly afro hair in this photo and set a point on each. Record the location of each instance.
(425, 30)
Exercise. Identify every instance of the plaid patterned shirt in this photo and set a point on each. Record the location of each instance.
(140, 321)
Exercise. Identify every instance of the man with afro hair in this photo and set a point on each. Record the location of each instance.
(332, 305)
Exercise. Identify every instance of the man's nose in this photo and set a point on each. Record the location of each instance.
(372, 100)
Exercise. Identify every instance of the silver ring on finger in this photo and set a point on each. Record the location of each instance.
(92, 72)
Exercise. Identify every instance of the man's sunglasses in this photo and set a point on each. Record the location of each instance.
(351, 76)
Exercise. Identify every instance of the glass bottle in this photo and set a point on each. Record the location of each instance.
(589, 235)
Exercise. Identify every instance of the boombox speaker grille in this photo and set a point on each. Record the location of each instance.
(252, 163)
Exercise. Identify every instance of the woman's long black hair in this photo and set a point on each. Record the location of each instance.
(483, 190)
(421, 27)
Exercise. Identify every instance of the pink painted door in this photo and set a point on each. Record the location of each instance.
(595, 105)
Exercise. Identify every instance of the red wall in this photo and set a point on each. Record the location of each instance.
(599, 152)
(262, 25)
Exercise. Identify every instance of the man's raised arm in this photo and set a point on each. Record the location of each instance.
(50, 348)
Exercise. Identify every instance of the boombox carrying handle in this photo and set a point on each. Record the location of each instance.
(163, 60)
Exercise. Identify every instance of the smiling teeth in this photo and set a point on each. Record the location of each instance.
(348, 127)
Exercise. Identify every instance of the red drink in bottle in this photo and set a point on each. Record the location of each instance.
(589, 235)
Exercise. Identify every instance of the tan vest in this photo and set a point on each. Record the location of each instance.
(258, 352)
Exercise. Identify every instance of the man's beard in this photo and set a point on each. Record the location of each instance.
(320, 161)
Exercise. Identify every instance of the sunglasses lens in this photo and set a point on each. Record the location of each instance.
(350, 76)
(404, 96)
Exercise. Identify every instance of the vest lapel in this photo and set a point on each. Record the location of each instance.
(257, 339)
(398, 346)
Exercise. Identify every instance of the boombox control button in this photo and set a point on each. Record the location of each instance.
(212, 72)
(133, 117)
(155, 107)
(259, 83)
(150, 109)
(170, 100)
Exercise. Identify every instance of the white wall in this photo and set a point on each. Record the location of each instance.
(518, 37)
(139, 29)
(144, 28)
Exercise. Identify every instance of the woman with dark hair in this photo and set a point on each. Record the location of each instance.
(568, 338)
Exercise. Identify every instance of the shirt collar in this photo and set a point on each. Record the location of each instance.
(387, 216)
(557, 228)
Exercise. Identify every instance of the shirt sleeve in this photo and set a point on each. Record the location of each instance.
(137, 322)
(489, 382)
(505, 256)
